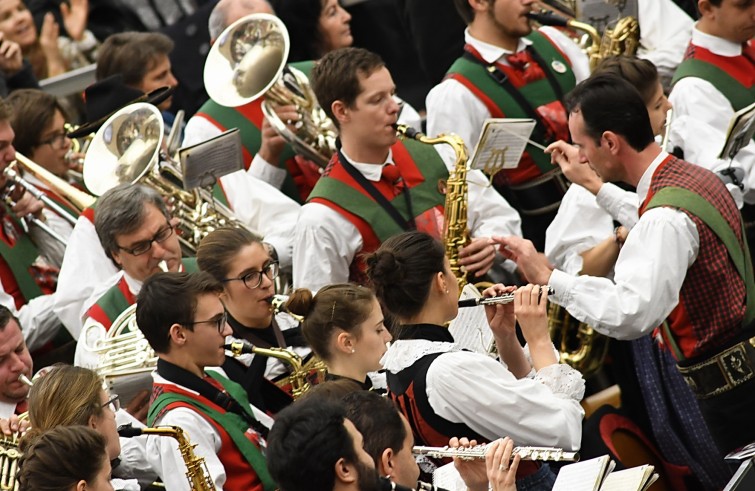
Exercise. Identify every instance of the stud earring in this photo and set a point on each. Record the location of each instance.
(353, 350)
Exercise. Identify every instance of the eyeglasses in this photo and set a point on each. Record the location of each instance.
(144, 246)
(219, 322)
(253, 279)
(114, 403)
(56, 141)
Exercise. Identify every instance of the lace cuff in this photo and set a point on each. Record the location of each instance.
(563, 380)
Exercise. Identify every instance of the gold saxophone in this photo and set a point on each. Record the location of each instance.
(196, 468)
(455, 233)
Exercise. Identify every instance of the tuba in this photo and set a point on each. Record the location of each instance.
(579, 345)
(455, 233)
(10, 455)
(248, 61)
(126, 149)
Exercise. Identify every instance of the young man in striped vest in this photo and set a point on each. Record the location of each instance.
(183, 319)
(685, 266)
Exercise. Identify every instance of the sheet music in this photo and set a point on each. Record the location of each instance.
(470, 328)
(447, 477)
(501, 144)
(127, 386)
(632, 479)
(202, 164)
(584, 476)
(740, 132)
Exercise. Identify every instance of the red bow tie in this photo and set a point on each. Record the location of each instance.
(523, 62)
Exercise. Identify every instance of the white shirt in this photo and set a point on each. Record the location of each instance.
(453, 108)
(478, 391)
(648, 277)
(326, 242)
(702, 115)
(38, 322)
(163, 451)
(665, 30)
(584, 220)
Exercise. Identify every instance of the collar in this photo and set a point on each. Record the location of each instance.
(134, 285)
(430, 332)
(404, 353)
(644, 185)
(490, 52)
(7, 409)
(371, 172)
(715, 44)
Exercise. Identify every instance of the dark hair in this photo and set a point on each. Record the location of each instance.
(306, 441)
(609, 103)
(33, 111)
(332, 390)
(642, 74)
(57, 459)
(121, 210)
(302, 18)
(336, 76)
(343, 306)
(6, 316)
(170, 298)
(402, 269)
(132, 54)
(6, 112)
(218, 248)
(465, 10)
(378, 420)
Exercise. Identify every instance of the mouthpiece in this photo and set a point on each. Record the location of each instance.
(548, 18)
(239, 347)
(502, 299)
(23, 378)
(407, 131)
(128, 431)
(163, 266)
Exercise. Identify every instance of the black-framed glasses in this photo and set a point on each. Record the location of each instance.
(253, 279)
(56, 141)
(144, 246)
(219, 321)
(114, 403)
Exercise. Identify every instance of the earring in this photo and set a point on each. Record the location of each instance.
(446, 291)
(353, 350)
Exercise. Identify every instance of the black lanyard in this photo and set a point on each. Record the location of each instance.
(378, 196)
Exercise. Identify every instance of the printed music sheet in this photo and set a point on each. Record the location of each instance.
(501, 144)
(633, 479)
(584, 476)
(206, 162)
(740, 132)
(470, 327)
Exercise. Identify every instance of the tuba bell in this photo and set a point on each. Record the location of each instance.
(579, 345)
(248, 61)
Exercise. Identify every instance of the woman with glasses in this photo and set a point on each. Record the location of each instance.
(243, 264)
(67, 396)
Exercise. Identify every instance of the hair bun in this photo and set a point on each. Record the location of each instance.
(300, 302)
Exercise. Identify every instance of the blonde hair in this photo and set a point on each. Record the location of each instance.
(66, 396)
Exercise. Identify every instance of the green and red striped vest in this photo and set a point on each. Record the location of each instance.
(17, 254)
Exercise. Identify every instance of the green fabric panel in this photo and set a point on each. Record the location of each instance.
(190, 264)
(113, 302)
(738, 95)
(20, 257)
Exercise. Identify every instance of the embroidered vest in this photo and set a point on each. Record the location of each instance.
(422, 170)
(118, 298)
(733, 76)
(538, 93)
(713, 301)
(248, 119)
(17, 255)
(240, 453)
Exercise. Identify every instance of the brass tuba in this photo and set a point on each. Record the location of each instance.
(126, 149)
(248, 61)
(579, 345)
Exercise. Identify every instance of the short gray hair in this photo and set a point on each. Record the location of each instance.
(121, 210)
(218, 20)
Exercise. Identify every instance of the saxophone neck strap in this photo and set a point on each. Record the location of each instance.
(378, 196)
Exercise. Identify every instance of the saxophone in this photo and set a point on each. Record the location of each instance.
(196, 468)
(455, 233)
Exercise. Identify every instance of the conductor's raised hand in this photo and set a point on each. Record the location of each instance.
(573, 166)
(530, 263)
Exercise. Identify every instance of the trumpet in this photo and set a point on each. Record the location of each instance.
(551, 454)
(499, 300)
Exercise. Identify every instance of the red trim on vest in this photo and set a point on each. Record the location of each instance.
(240, 475)
(88, 213)
(96, 312)
(10, 285)
(741, 68)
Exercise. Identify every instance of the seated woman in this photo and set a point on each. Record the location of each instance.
(68, 396)
(66, 458)
(344, 326)
(444, 391)
(239, 260)
(315, 27)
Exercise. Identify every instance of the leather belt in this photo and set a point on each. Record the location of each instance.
(722, 372)
(540, 195)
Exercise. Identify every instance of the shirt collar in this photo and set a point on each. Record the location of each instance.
(644, 185)
(134, 285)
(489, 52)
(715, 44)
(7, 409)
(371, 172)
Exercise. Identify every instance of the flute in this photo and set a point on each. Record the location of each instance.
(478, 452)
(501, 299)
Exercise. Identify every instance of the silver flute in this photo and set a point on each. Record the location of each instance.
(478, 452)
(501, 299)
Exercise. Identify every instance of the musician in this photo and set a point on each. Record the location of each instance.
(139, 235)
(314, 447)
(65, 459)
(183, 319)
(343, 324)
(376, 186)
(14, 361)
(533, 71)
(671, 265)
(444, 391)
(244, 266)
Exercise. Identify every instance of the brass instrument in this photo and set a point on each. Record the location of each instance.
(579, 345)
(196, 468)
(478, 452)
(248, 61)
(621, 39)
(455, 233)
(126, 149)
(299, 382)
(10, 453)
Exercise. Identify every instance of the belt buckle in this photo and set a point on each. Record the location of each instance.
(735, 364)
